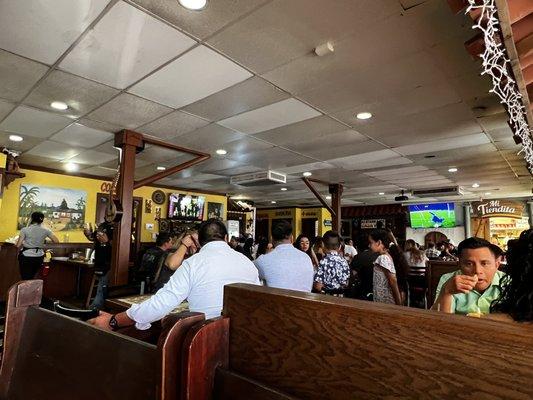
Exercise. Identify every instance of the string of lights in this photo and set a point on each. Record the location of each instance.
(498, 66)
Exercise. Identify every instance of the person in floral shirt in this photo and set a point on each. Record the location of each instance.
(333, 271)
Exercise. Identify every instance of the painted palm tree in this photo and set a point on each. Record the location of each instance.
(27, 201)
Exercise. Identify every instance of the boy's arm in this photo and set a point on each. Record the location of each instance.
(456, 284)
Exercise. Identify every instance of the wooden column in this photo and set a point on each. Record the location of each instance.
(130, 143)
(335, 190)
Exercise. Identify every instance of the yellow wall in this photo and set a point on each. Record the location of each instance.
(2, 165)
(10, 204)
(296, 214)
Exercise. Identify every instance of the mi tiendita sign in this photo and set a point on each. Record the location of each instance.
(498, 208)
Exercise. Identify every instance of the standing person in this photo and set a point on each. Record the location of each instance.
(247, 248)
(30, 243)
(264, 247)
(103, 241)
(333, 271)
(318, 248)
(349, 251)
(362, 267)
(389, 268)
(302, 243)
(200, 279)
(285, 267)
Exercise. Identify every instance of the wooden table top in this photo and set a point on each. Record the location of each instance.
(128, 301)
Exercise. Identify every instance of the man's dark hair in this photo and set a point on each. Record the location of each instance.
(430, 245)
(478, 243)
(37, 217)
(162, 238)
(349, 241)
(361, 242)
(331, 240)
(211, 230)
(281, 230)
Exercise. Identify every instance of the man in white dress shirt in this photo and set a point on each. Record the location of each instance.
(200, 279)
(285, 267)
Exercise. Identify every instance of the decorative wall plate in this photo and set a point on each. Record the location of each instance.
(158, 197)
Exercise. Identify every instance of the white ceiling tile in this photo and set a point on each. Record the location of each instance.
(18, 74)
(5, 108)
(82, 136)
(99, 171)
(193, 76)
(54, 150)
(28, 143)
(92, 157)
(32, 122)
(443, 144)
(172, 125)
(282, 113)
(397, 171)
(50, 26)
(124, 46)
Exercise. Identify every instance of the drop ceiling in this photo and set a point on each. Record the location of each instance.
(241, 75)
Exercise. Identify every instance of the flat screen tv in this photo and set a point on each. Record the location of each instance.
(438, 215)
(186, 207)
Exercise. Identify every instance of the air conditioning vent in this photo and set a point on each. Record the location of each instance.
(259, 179)
(439, 192)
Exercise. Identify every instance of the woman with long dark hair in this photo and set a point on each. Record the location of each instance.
(516, 299)
(303, 243)
(390, 268)
(31, 245)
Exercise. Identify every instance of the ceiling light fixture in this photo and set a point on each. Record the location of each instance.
(488, 193)
(59, 105)
(194, 5)
(364, 115)
(160, 168)
(273, 202)
(71, 167)
(475, 185)
(307, 174)
(221, 152)
(452, 169)
(381, 193)
(16, 138)
(283, 189)
(324, 48)
(328, 197)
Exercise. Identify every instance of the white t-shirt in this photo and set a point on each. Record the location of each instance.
(350, 250)
(200, 280)
(34, 237)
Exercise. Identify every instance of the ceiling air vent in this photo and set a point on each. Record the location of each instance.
(259, 179)
(439, 192)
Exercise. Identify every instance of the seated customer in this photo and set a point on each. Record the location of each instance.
(516, 300)
(285, 267)
(154, 257)
(476, 285)
(200, 280)
(432, 252)
(333, 271)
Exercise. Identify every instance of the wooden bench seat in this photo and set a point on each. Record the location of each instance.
(48, 356)
(285, 344)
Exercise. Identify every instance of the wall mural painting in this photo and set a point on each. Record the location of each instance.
(64, 209)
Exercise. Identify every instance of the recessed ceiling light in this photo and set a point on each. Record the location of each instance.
(381, 193)
(59, 105)
(273, 202)
(195, 5)
(160, 168)
(16, 138)
(221, 152)
(307, 174)
(364, 115)
(283, 189)
(452, 169)
(488, 193)
(328, 197)
(475, 185)
(71, 167)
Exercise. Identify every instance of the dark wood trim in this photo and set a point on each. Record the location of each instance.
(166, 145)
(318, 196)
(335, 189)
(108, 179)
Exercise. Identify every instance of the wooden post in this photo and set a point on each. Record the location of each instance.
(335, 190)
(130, 143)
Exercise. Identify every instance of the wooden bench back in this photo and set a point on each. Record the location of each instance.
(314, 347)
(435, 270)
(52, 357)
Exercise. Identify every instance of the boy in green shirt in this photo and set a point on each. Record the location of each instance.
(473, 288)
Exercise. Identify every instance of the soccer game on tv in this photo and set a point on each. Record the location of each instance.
(438, 215)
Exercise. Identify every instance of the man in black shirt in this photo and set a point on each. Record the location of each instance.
(153, 259)
(362, 269)
(103, 240)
